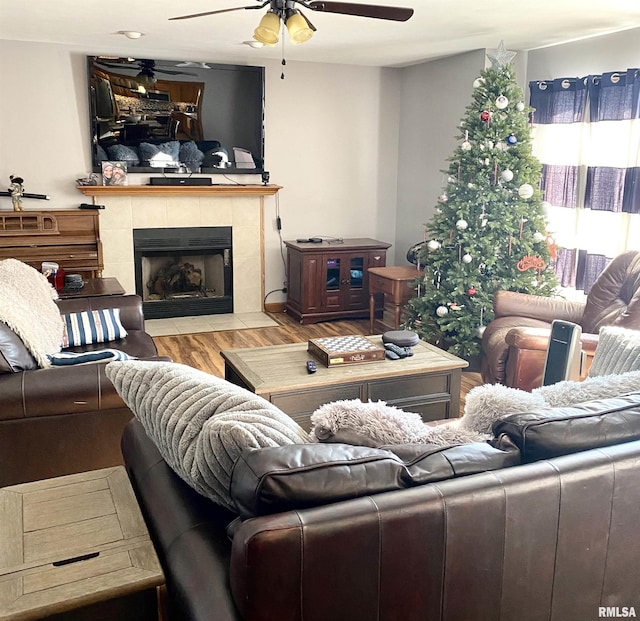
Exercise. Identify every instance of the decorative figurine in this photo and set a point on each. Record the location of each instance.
(16, 191)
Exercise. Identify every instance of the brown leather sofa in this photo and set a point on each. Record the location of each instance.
(62, 420)
(554, 537)
(514, 344)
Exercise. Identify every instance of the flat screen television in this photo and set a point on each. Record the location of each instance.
(176, 116)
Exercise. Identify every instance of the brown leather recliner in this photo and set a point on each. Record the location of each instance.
(514, 344)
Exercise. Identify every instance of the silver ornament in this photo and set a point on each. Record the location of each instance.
(525, 190)
(442, 311)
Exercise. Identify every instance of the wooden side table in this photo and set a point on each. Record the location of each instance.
(393, 281)
(76, 547)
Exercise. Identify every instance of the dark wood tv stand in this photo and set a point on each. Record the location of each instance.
(329, 280)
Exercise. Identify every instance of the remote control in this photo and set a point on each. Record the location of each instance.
(311, 366)
(90, 206)
(401, 352)
(392, 355)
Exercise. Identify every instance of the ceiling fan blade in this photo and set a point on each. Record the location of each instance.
(237, 8)
(306, 19)
(393, 13)
(168, 71)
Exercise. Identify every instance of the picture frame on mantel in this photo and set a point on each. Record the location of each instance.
(114, 173)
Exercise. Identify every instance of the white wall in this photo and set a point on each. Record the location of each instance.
(327, 129)
(614, 52)
(433, 98)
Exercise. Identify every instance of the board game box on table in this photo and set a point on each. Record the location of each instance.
(351, 349)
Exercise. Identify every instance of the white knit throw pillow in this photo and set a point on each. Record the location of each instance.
(618, 351)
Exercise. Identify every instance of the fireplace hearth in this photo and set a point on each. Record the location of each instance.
(184, 271)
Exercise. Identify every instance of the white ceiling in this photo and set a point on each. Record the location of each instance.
(438, 28)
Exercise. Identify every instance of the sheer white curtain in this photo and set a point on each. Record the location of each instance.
(586, 133)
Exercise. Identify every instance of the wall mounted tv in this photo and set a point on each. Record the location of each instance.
(176, 116)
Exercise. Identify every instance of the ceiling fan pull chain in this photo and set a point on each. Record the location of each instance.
(284, 62)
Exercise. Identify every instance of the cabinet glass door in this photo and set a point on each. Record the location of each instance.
(333, 274)
(356, 272)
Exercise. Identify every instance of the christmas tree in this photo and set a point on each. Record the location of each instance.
(489, 230)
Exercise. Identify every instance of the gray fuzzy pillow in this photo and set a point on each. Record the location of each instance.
(200, 423)
(165, 154)
(489, 402)
(190, 155)
(122, 153)
(377, 424)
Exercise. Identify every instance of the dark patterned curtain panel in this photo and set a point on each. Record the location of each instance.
(586, 133)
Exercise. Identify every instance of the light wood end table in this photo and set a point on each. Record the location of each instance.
(76, 547)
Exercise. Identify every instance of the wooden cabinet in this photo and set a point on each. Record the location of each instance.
(71, 238)
(329, 280)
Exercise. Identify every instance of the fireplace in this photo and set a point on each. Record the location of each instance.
(184, 271)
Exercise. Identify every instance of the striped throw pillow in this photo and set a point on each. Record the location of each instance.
(89, 327)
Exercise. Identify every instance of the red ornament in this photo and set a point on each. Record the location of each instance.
(471, 291)
(485, 116)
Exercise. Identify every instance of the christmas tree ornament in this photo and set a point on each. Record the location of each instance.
(501, 57)
(506, 175)
(501, 102)
(437, 277)
(478, 82)
(471, 185)
(443, 198)
(442, 311)
(502, 146)
(519, 106)
(487, 161)
(466, 145)
(530, 263)
(512, 139)
(522, 221)
(480, 331)
(546, 207)
(453, 306)
(485, 116)
(433, 245)
(490, 144)
(461, 224)
(467, 258)
(538, 237)
(525, 190)
(471, 291)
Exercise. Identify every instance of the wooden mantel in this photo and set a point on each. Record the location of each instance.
(179, 190)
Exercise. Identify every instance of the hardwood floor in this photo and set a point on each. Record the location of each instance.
(202, 350)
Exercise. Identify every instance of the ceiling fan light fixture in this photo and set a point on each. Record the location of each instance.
(267, 30)
(297, 26)
(131, 34)
(146, 77)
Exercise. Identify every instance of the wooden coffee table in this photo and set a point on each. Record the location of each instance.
(427, 382)
(76, 547)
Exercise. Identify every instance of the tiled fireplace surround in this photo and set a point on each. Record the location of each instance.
(132, 207)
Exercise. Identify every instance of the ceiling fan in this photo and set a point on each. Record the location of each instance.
(146, 68)
(298, 25)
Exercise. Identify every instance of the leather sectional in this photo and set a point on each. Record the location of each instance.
(547, 532)
(63, 420)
